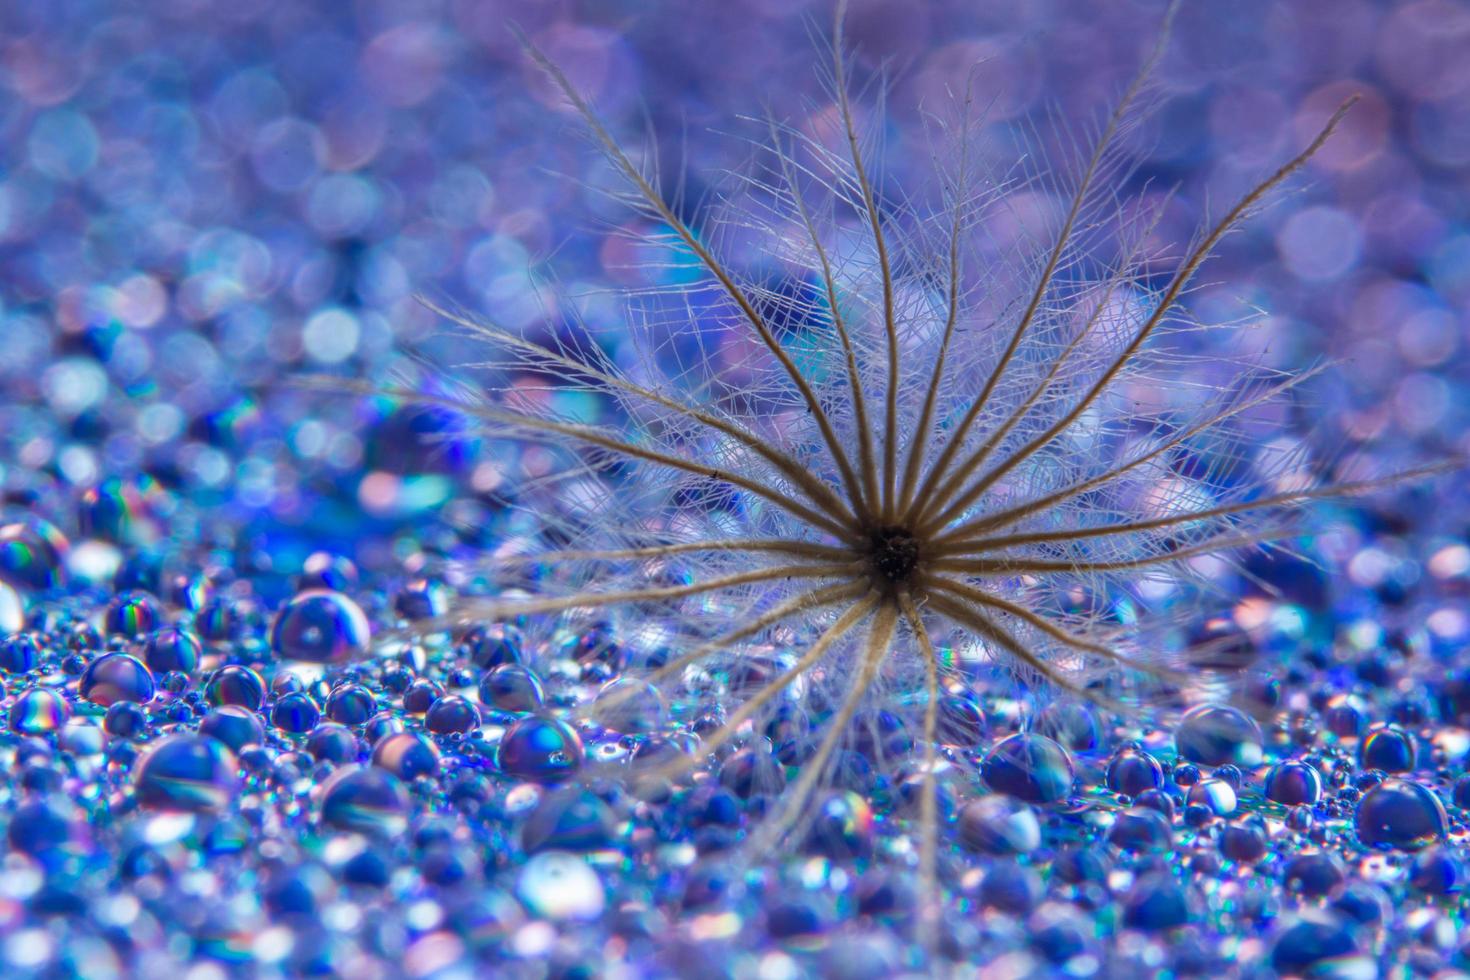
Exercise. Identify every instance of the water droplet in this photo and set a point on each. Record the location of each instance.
(1216, 734)
(407, 755)
(365, 800)
(235, 685)
(842, 827)
(39, 711)
(12, 611)
(540, 749)
(320, 626)
(1030, 767)
(1141, 830)
(351, 704)
(295, 713)
(494, 645)
(512, 687)
(1400, 814)
(33, 555)
(1318, 935)
(116, 677)
(1132, 771)
(1389, 748)
(451, 714)
(569, 819)
(131, 614)
(172, 648)
(187, 772)
(562, 886)
(1294, 783)
(18, 653)
(998, 825)
(234, 725)
(630, 706)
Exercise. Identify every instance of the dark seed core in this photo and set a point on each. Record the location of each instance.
(895, 554)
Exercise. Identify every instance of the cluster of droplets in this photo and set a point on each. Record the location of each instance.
(338, 750)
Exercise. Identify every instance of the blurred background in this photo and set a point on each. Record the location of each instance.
(201, 199)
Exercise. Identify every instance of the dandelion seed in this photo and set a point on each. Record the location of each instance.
(938, 445)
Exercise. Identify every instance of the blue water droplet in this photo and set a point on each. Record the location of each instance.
(234, 725)
(1030, 767)
(187, 772)
(116, 677)
(237, 685)
(452, 714)
(1402, 815)
(365, 800)
(1132, 771)
(540, 749)
(1217, 734)
(322, 627)
(407, 755)
(172, 648)
(1294, 783)
(512, 687)
(38, 711)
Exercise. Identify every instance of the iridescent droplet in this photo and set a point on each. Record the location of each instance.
(115, 677)
(18, 653)
(12, 610)
(235, 684)
(332, 742)
(1319, 938)
(512, 687)
(39, 711)
(494, 645)
(295, 713)
(324, 570)
(1030, 767)
(1389, 748)
(1141, 830)
(998, 825)
(1216, 795)
(1132, 771)
(406, 755)
(842, 828)
(188, 772)
(541, 749)
(322, 627)
(351, 704)
(1402, 815)
(131, 614)
(365, 800)
(1294, 783)
(569, 819)
(451, 714)
(630, 706)
(172, 648)
(33, 555)
(1070, 724)
(1217, 734)
(235, 725)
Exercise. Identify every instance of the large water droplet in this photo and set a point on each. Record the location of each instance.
(1400, 814)
(320, 626)
(187, 772)
(116, 677)
(365, 800)
(1218, 734)
(1030, 767)
(540, 749)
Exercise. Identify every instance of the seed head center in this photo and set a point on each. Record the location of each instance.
(894, 554)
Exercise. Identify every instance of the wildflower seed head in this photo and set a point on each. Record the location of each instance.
(893, 556)
(959, 449)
